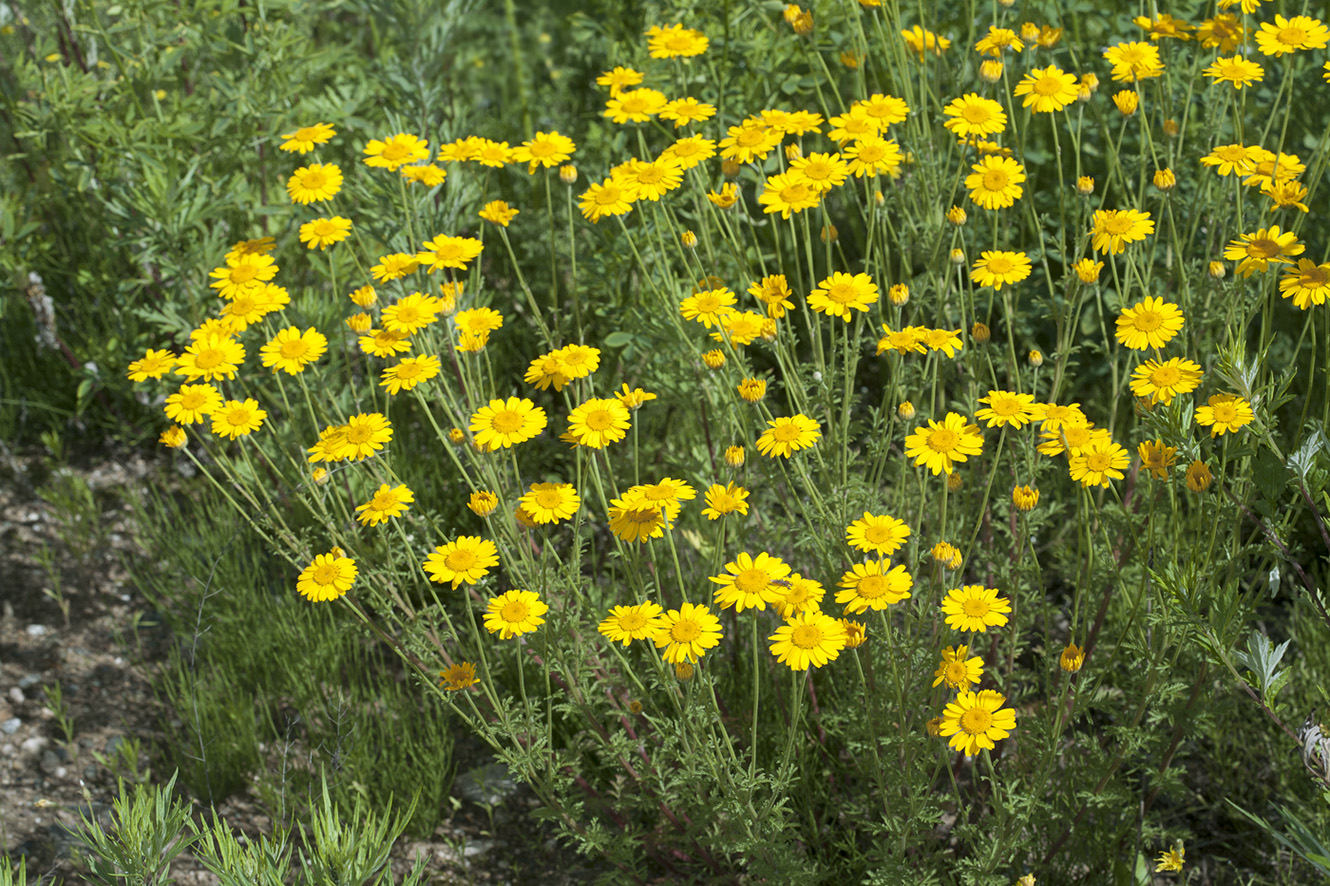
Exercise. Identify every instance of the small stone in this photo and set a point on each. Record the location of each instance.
(29, 681)
(33, 746)
(477, 848)
(10, 726)
(50, 763)
(36, 630)
(7, 750)
(16, 695)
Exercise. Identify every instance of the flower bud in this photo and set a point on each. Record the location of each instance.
(1217, 270)
(729, 168)
(1024, 497)
(956, 216)
(1036, 359)
(734, 456)
(752, 389)
(1029, 32)
(958, 256)
(457, 435)
(954, 482)
(1199, 476)
(1087, 269)
(979, 332)
(899, 294)
(714, 359)
(1072, 658)
(830, 234)
(319, 476)
(793, 151)
(689, 240)
(990, 70)
(1165, 180)
(1085, 186)
(173, 437)
(905, 410)
(684, 671)
(568, 174)
(1171, 128)
(1127, 100)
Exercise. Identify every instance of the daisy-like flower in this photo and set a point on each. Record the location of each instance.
(1162, 381)
(1053, 416)
(327, 578)
(605, 199)
(1006, 408)
(1232, 159)
(667, 494)
(1157, 458)
(840, 292)
(478, 321)
(1223, 413)
(873, 154)
(303, 140)
(599, 422)
(635, 524)
(428, 175)
(1166, 26)
(366, 433)
(154, 364)
(822, 171)
(314, 183)
(997, 267)
(683, 111)
(1308, 284)
(886, 109)
(799, 594)
(244, 273)
(459, 677)
(974, 115)
(292, 350)
(1098, 462)
(744, 329)
(808, 639)
(997, 40)
(854, 126)
(468, 558)
(957, 669)
(192, 403)
(482, 502)
(1285, 194)
(448, 252)
(633, 398)
(1256, 252)
(996, 182)
(975, 720)
(687, 633)
(750, 582)
(634, 106)
(1024, 498)
(551, 502)
(1072, 658)
(1198, 476)
(940, 445)
(396, 151)
(498, 212)
(975, 608)
(774, 292)
(749, 141)
(1112, 229)
(394, 266)
(237, 418)
(409, 372)
(546, 149)
(173, 437)
(619, 79)
(1047, 90)
(691, 151)
(1286, 35)
(210, 357)
(1150, 323)
(1223, 32)
(650, 180)
(1071, 438)
(1236, 70)
(1269, 167)
(725, 500)
(879, 534)
(1171, 860)
(505, 423)
(324, 232)
(675, 41)
(871, 586)
(411, 313)
(788, 193)
(384, 343)
(1134, 61)
(625, 624)
(921, 41)
(903, 341)
(514, 613)
(946, 340)
(388, 502)
(708, 306)
(786, 436)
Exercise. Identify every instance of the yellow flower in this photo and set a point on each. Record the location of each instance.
(997, 40)
(957, 669)
(459, 676)
(675, 41)
(1047, 90)
(788, 193)
(1157, 458)
(975, 720)
(547, 149)
(708, 306)
(1172, 859)
(619, 78)
(365, 434)
(734, 456)
(840, 292)
(327, 578)
(467, 558)
(920, 41)
(1236, 70)
(785, 436)
(1134, 61)
(1308, 284)
(409, 372)
(975, 608)
(808, 639)
(1024, 498)
(388, 502)
(725, 500)
(314, 183)
(394, 266)
(974, 115)
(448, 252)
(1127, 101)
(627, 623)
(1198, 476)
(1150, 323)
(634, 106)
(303, 140)
(1256, 252)
(1223, 413)
(1006, 408)
(514, 613)
(498, 212)
(871, 586)
(669, 494)
(244, 273)
(879, 534)
(324, 232)
(551, 502)
(1072, 658)
(1286, 35)
(685, 635)
(482, 502)
(1112, 229)
(997, 267)
(292, 350)
(599, 422)
(173, 437)
(750, 582)
(1098, 462)
(995, 182)
(210, 357)
(940, 445)
(635, 524)
(395, 151)
(1162, 381)
(605, 199)
(634, 398)
(154, 364)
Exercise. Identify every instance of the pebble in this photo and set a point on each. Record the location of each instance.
(7, 750)
(29, 681)
(36, 630)
(476, 848)
(31, 747)
(10, 726)
(16, 695)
